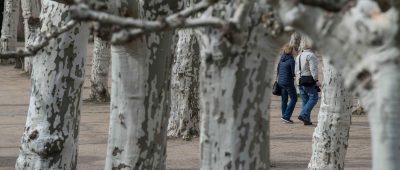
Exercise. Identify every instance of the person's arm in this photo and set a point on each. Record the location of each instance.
(313, 61)
(292, 68)
(296, 67)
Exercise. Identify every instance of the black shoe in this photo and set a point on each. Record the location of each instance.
(307, 123)
(301, 118)
(287, 121)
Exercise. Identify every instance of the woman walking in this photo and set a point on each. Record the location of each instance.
(307, 71)
(286, 75)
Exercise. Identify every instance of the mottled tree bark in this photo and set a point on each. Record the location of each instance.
(100, 67)
(140, 92)
(9, 26)
(330, 138)
(364, 44)
(235, 78)
(50, 138)
(184, 119)
(30, 13)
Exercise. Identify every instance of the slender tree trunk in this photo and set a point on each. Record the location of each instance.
(364, 44)
(330, 138)
(235, 80)
(184, 118)
(359, 109)
(9, 26)
(50, 138)
(100, 68)
(30, 13)
(140, 94)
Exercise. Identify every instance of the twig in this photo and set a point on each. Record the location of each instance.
(43, 42)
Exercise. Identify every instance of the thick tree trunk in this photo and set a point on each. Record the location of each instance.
(30, 13)
(235, 80)
(140, 94)
(9, 26)
(50, 138)
(364, 44)
(330, 138)
(184, 118)
(100, 68)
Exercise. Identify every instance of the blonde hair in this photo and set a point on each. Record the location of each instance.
(287, 49)
(306, 43)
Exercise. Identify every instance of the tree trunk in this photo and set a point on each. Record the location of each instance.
(140, 94)
(359, 109)
(184, 118)
(330, 138)
(235, 89)
(50, 138)
(100, 68)
(364, 44)
(30, 13)
(9, 26)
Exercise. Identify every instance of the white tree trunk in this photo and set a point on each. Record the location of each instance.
(184, 118)
(235, 78)
(50, 138)
(140, 94)
(330, 138)
(100, 67)
(359, 110)
(9, 26)
(364, 44)
(30, 13)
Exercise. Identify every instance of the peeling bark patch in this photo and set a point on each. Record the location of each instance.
(33, 135)
(122, 120)
(117, 151)
(120, 166)
(221, 118)
(384, 5)
(365, 78)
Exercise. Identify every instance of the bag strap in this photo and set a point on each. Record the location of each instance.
(300, 64)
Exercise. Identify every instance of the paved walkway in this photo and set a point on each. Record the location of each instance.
(290, 144)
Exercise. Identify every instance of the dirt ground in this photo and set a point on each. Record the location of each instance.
(290, 144)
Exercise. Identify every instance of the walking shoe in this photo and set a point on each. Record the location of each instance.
(287, 121)
(307, 123)
(301, 118)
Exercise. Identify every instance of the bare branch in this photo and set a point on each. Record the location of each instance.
(83, 13)
(124, 36)
(132, 28)
(41, 42)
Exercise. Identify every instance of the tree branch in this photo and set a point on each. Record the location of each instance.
(43, 42)
(126, 35)
(327, 5)
(130, 28)
(83, 13)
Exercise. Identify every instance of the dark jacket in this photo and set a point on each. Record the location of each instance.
(286, 68)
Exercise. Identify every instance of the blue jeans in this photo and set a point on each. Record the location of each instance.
(287, 110)
(309, 96)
